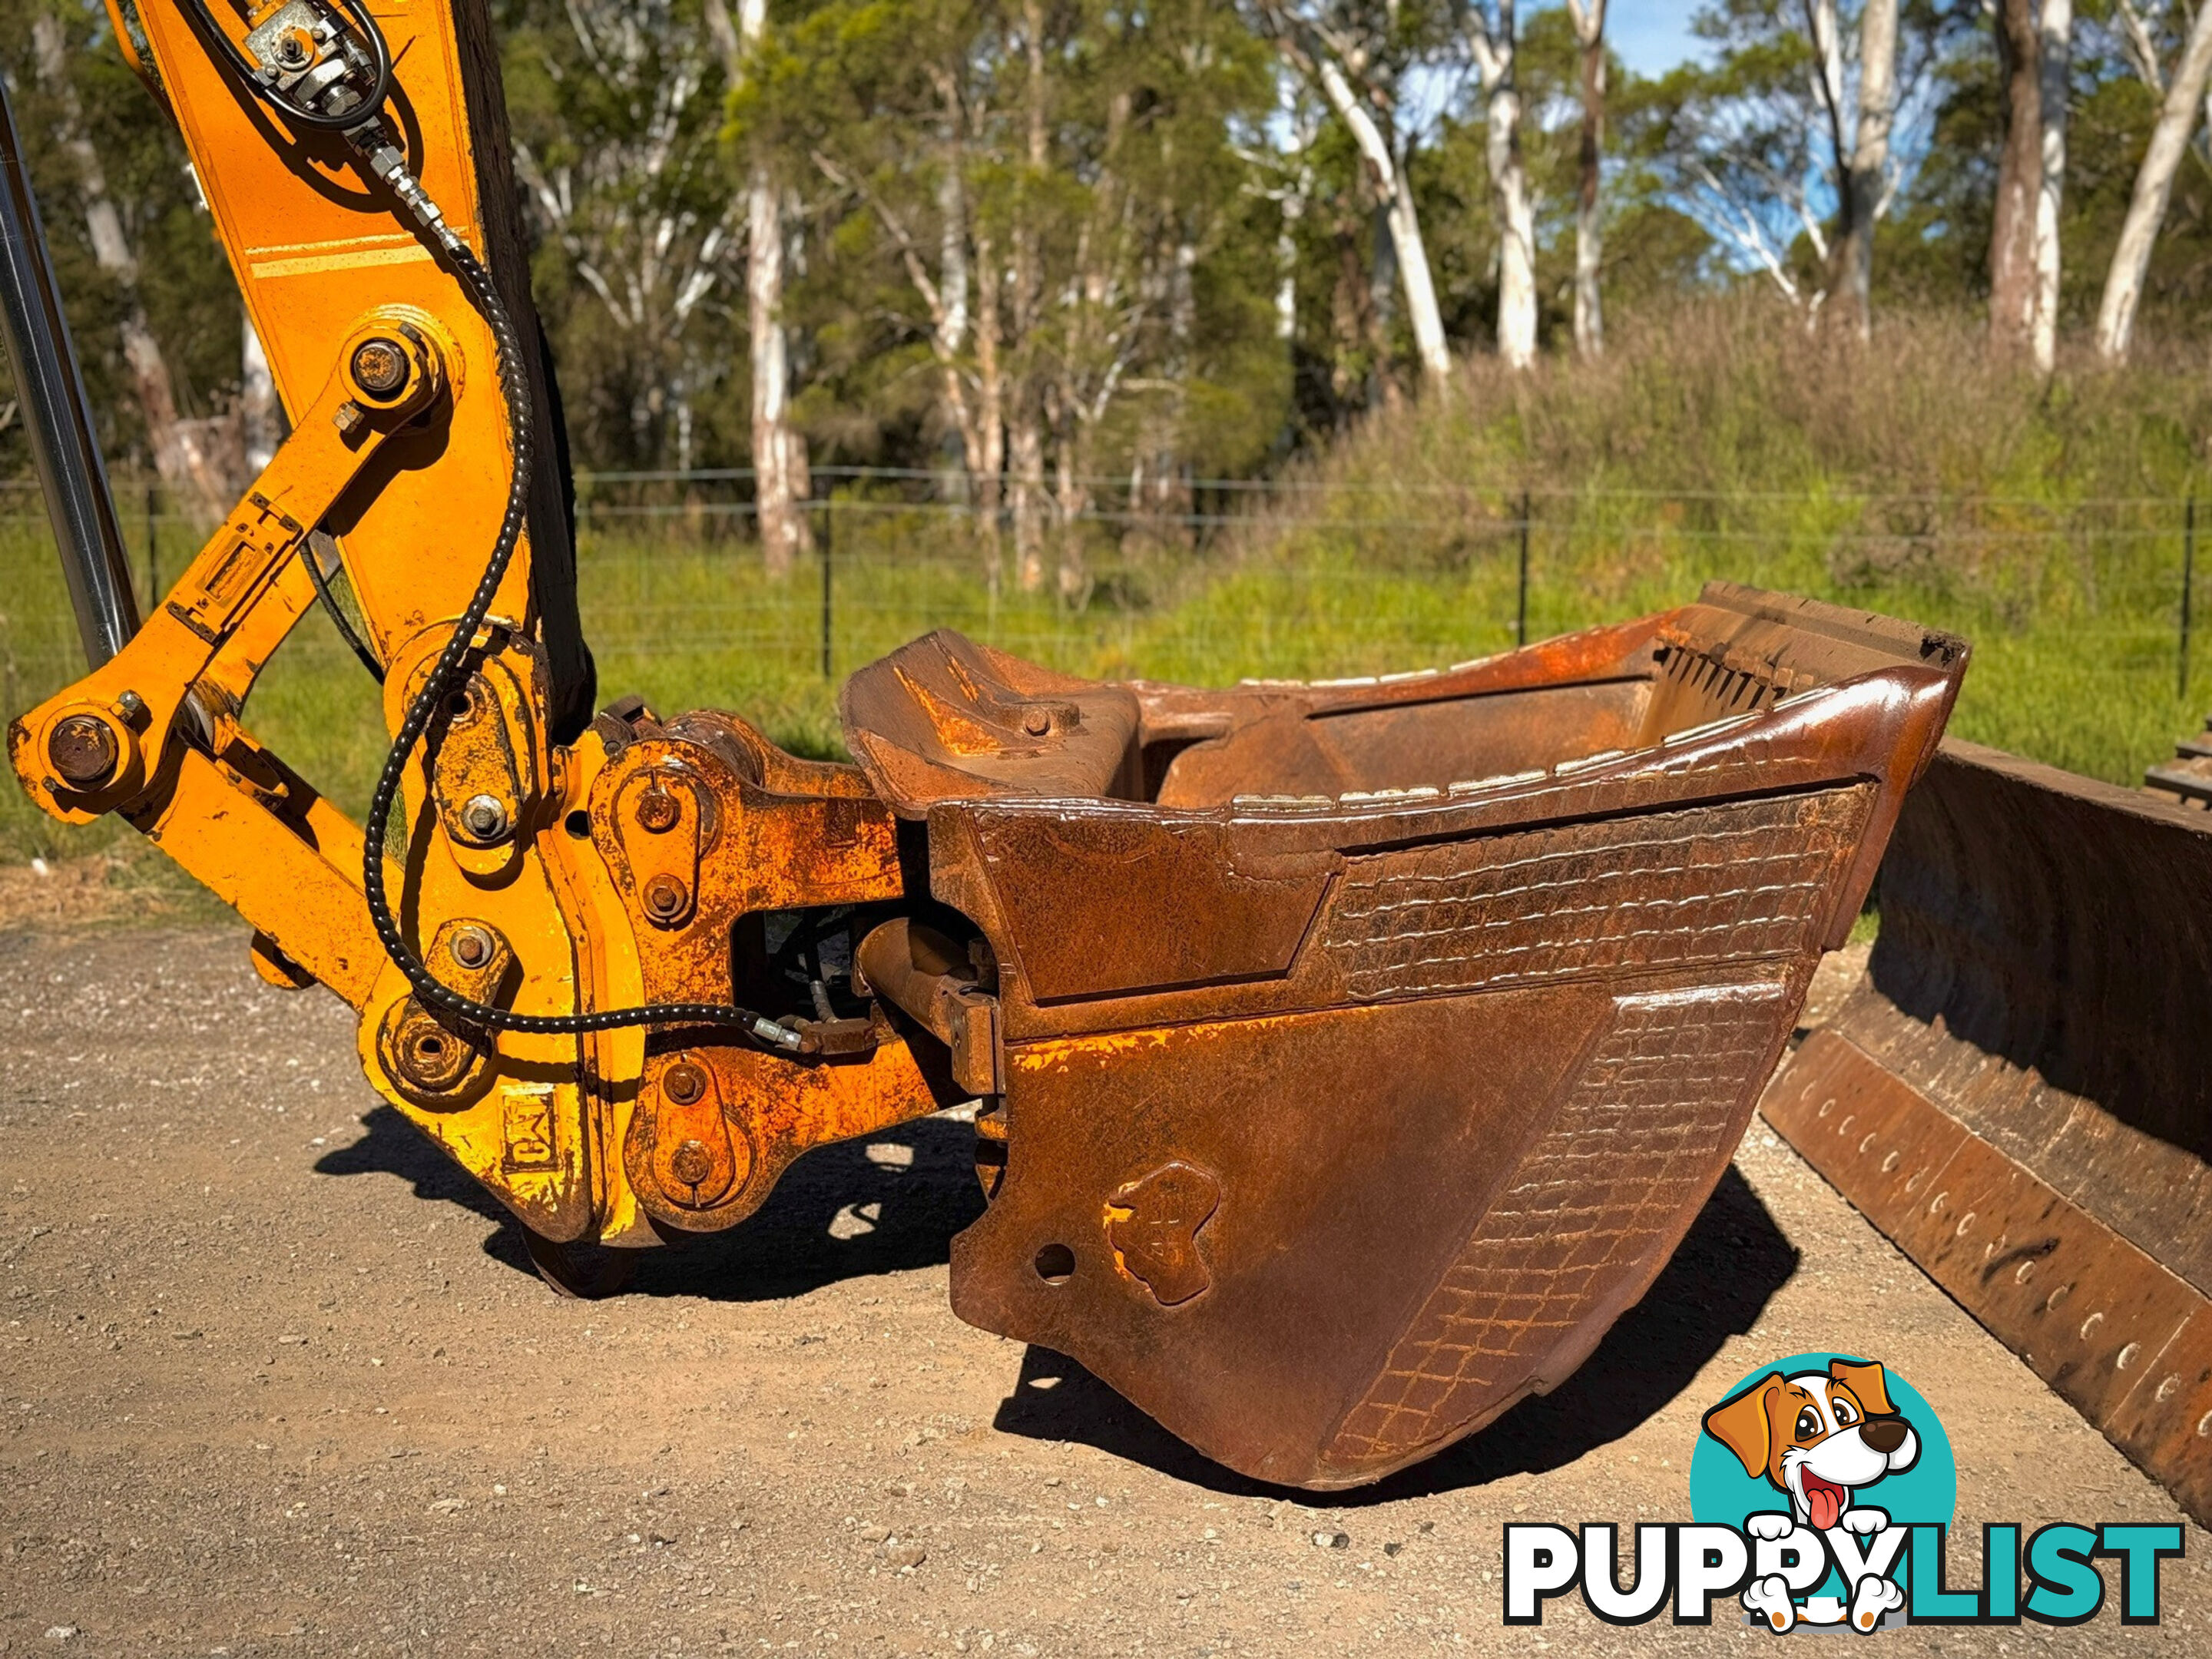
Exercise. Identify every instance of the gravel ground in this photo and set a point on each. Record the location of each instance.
(275, 1379)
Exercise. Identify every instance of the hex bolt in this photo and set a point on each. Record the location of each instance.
(665, 897)
(348, 418)
(380, 368)
(689, 1163)
(483, 816)
(684, 1083)
(83, 750)
(658, 809)
(1037, 721)
(471, 945)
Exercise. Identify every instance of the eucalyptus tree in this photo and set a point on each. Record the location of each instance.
(1588, 19)
(1781, 144)
(614, 105)
(1020, 203)
(780, 480)
(1357, 56)
(2180, 111)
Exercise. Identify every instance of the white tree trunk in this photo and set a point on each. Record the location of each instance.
(2116, 315)
(1870, 158)
(1588, 19)
(2055, 23)
(1495, 46)
(259, 427)
(1025, 485)
(1517, 229)
(781, 481)
(1405, 220)
(1025, 413)
(183, 458)
(990, 407)
(1286, 254)
(780, 471)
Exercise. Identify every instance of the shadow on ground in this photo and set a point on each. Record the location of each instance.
(893, 1201)
(1731, 1262)
(886, 1204)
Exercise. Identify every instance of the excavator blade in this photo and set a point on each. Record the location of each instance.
(2019, 1090)
(1363, 1049)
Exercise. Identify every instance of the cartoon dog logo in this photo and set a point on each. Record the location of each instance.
(1820, 1438)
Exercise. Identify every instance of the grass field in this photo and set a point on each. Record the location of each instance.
(2074, 644)
(2045, 521)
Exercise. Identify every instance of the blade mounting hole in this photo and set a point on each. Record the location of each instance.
(1056, 1264)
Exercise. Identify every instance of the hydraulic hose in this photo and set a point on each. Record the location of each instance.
(430, 702)
(364, 130)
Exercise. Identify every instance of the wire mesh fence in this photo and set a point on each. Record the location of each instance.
(2079, 610)
(1214, 579)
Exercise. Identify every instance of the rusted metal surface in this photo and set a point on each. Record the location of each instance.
(1348, 1098)
(2018, 1091)
(708, 830)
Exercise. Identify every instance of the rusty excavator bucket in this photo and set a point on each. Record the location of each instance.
(1354, 1053)
(2018, 1092)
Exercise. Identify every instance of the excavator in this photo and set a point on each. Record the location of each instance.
(1344, 1057)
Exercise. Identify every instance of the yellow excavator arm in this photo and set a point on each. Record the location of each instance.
(1345, 1056)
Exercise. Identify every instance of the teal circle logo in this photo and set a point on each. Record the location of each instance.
(1723, 1492)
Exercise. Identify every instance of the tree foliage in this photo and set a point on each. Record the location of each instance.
(1035, 241)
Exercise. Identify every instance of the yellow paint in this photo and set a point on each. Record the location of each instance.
(1055, 1054)
(323, 263)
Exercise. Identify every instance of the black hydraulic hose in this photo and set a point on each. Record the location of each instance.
(312, 557)
(364, 130)
(430, 702)
(355, 114)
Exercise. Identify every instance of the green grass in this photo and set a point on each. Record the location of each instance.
(2074, 662)
(2043, 521)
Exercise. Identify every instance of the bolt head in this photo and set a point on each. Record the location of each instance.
(431, 1057)
(665, 897)
(83, 750)
(689, 1162)
(472, 945)
(658, 809)
(1037, 722)
(348, 418)
(381, 369)
(684, 1083)
(484, 817)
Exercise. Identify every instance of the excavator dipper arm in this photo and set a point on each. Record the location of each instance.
(1346, 1057)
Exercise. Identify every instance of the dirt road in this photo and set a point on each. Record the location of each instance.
(276, 1380)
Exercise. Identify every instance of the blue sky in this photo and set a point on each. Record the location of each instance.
(1650, 35)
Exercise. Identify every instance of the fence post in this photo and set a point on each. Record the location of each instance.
(152, 553)
(1521, 612)
(2188, 582)
(828, 519)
